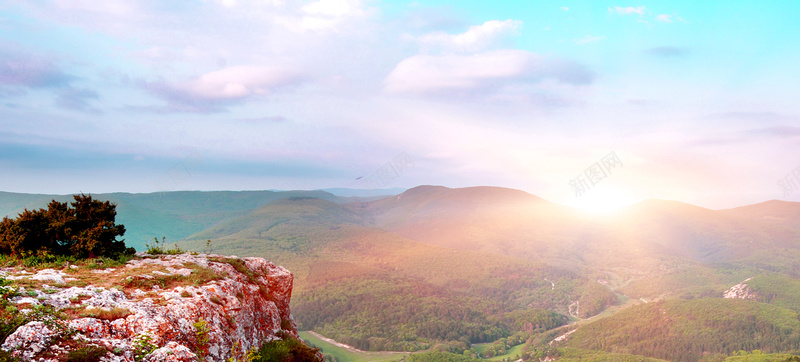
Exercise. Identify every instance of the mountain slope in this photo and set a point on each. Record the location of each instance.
(348, 270)
(680, 330)
(174, 215)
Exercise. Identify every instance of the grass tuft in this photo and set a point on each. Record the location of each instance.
(109, 315)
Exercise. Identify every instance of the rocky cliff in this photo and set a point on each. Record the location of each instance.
(166, 308)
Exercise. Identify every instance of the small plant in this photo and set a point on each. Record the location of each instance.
(51, 317)
(142, 346)
(201, 332)
(6, 356)
(160, 248)
(6, 289)
(10, 319)
(86, 353)
(209, 248)
(237, 355)
(185, 294)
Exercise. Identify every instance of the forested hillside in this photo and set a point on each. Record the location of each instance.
(447, 269)
(687, 330)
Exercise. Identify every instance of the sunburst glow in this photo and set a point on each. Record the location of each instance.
(603, 201)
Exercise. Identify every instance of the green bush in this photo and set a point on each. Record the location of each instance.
(288, 349)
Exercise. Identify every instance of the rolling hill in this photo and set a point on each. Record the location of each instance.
(445, 268)
(174, 215)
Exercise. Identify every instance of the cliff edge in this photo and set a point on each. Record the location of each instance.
(153, 308)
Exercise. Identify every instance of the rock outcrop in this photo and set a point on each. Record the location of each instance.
(166, 308)
(740, 291)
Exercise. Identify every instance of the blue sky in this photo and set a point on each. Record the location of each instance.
(697, 100)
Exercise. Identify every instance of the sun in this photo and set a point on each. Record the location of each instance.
(602, 201)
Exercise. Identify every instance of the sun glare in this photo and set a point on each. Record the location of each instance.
(602, 201)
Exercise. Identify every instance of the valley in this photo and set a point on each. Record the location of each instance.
(494, 273)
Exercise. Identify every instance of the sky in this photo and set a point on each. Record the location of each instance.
(592, 104)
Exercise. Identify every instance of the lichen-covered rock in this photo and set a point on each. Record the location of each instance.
(248, 304)
(30, 339)
(172, 352)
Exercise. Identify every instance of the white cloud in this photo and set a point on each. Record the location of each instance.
(325, 15)
(589, 39)
(331, 8)
(664, 18)
(155, 54)
(253, 3)
(206, 92)
(627, 10)
(111, 7)
(423, 74)
(564, 8)
(476, 38)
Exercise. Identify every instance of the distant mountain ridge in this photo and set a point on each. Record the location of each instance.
(175, 215)
(467, 265)
(437, 214)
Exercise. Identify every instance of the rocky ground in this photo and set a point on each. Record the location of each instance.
(154, 308)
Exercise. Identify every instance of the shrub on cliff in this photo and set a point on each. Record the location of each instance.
(82, 228)
(288, 349)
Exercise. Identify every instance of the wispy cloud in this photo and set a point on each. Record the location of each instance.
(666, 18)
(777, 131)
(424, 74)
(627, 10)
(326, 15)
(77, 99)
(589, 39)
(214, 89)
(30, 71)
(476, 38)
(668, 51)
(756, 117)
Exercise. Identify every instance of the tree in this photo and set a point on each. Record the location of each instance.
(84, 228)
(27, 233)
(91, 228)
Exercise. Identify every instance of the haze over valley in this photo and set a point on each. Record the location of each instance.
(448, 269)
